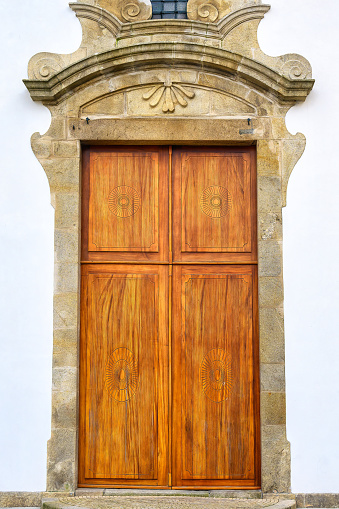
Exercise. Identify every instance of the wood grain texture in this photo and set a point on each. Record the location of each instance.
(125, 204)
(169, 368)
(124, 378)
(214, 204)
(215, 405)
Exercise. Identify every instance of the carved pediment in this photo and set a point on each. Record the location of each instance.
(220, 37)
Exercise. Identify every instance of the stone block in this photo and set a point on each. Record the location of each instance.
(67, 210)
(271, 293)
(245, 494)
(61, 454)
(270, 258)
(41, 147)
(66, 277)
(226, 105)
(276, 460)
(57, 129)
(269, 194)
(62, 174)
(66, 246)
(272, 377)
(65, 348)
(20, 498)
(64, 379)
(88, 492)
(111, 105)
(292, 151)
(270, 225)
(66, 149)
(272, 345)
(321, 500)
(268, 158)
(155, 493)
(66, 310)
(273, 408)
(64, 409)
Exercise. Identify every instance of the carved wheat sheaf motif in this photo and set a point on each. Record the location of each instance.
(215, 201)
(123, 201)
(122, 374)
(170, 94)
(216, 375)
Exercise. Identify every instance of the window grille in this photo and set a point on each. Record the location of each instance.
(162, 9)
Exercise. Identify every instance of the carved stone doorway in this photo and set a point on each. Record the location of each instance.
(201, 81)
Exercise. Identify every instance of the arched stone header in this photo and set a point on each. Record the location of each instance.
(133, 80)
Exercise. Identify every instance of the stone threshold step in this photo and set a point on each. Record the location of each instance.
(164, 502)
(169, 493)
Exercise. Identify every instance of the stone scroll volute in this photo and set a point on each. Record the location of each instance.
(127, 10)
(209, 11)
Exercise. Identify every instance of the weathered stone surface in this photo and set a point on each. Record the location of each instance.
(64, 379)
(155, 493)
(272, 347)
(61, 466)
(276, 460)
(41, 147)
(317, 500)
(66, 149)
(270, 258)
(208, 10)
(292, 151)
(133, 10)
(64, 405)
(62, 174)
(113, 104)
(272, 377)
(20, 498)
(65, 310)
(268, 159)
(66, 277)
(57, 128)
(269, 194)
(166, 502)
(66, 245)
(270, 225)
(67, 210)
(65, 348)
(273, 408)
(271, 294)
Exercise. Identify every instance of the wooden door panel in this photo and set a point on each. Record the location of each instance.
(124, 377)
(125, 214)
(214, 202)
(215, 379)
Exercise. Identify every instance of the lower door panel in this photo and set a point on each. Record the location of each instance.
(215, 377)
(124, 376)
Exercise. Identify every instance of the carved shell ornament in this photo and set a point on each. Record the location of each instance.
(170, 94)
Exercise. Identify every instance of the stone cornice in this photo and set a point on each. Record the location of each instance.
(170, 26)
(151, 55)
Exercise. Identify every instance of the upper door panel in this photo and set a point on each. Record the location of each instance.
(125, 205)
(214, 197)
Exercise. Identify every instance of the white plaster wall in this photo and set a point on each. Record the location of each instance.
(311, 244)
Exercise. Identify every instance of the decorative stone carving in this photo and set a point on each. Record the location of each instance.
(297, 69)
(45, 65)
(127, 11)
(208, 10)
(170, 94)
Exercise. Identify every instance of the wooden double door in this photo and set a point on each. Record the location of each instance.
(169, 379)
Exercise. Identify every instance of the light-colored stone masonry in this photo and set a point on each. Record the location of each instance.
(223, 90)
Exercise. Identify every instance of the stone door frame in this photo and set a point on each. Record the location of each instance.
(152, 90)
